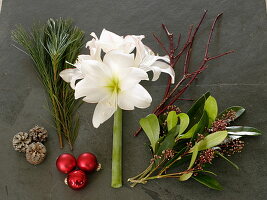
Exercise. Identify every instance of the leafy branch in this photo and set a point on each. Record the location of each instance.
(184, 145)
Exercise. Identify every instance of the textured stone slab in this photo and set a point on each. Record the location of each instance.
(238, 79)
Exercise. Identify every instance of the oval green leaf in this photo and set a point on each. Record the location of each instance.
(184, 122)
(211, 140)
(172, 120)
(208, 181)
(150, 125)
(185, 177)
(211, 108)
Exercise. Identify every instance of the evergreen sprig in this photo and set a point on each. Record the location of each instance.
(50, 45)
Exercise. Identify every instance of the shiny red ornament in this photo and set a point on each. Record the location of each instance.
(76, 179)
(66, 163)
(87, 162)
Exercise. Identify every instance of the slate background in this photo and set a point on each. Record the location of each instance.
(237, 79)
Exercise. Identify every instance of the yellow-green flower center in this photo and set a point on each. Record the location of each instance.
(114, 85)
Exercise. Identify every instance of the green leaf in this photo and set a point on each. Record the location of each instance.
(185, 177)
(211, 140)
(172, 120)
(211, 108)
(243, 131)
(238, 109)
(169, 141)
(194, 156)
(209, 181)
(189, 133)
(197, 128)
(232, 163)
(196, 111)
(150, 125)
(184, 122)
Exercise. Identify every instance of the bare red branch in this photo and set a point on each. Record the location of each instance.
(174, 94)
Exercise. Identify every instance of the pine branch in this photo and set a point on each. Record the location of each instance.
(50, 45)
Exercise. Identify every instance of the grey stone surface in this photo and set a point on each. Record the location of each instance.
(237, 79)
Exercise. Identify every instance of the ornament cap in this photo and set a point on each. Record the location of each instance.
(66, 181)
(99, 167)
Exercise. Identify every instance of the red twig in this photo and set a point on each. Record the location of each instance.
(171, 96)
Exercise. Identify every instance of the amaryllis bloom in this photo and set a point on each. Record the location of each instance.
(145, 57)
(112, 83)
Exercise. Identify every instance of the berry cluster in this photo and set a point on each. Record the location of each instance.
(232, 146)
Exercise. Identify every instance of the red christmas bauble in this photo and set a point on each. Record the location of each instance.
(87, 162)
(66, 163)
(76, 179)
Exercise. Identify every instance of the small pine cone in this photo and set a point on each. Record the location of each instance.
(38, 134)
(21, 141)
(35, 153)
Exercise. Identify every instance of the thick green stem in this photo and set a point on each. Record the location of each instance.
(117, 150)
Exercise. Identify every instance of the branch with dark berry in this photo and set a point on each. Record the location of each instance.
(176, 51)
(184, 145)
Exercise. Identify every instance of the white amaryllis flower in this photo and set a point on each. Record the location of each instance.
(145, 57)
(112, 83)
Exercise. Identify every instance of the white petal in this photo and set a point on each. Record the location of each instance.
(71, 76)
(154, 63)
(91, 89)
(89, 43)
(156, 72)
(162, 67)
(94, 68)
(109, 37)
(131, 77)
(148, 60)
(136, 97)
(104, 110)
(94, 95)
(119, 59)
(94, 35)
(67, 74)
(84, 57)
(140, 52)
(131, 42)
(95, 49)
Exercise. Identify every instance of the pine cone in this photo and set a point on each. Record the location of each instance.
(21, 141)
(35, 153)
(38, 134)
